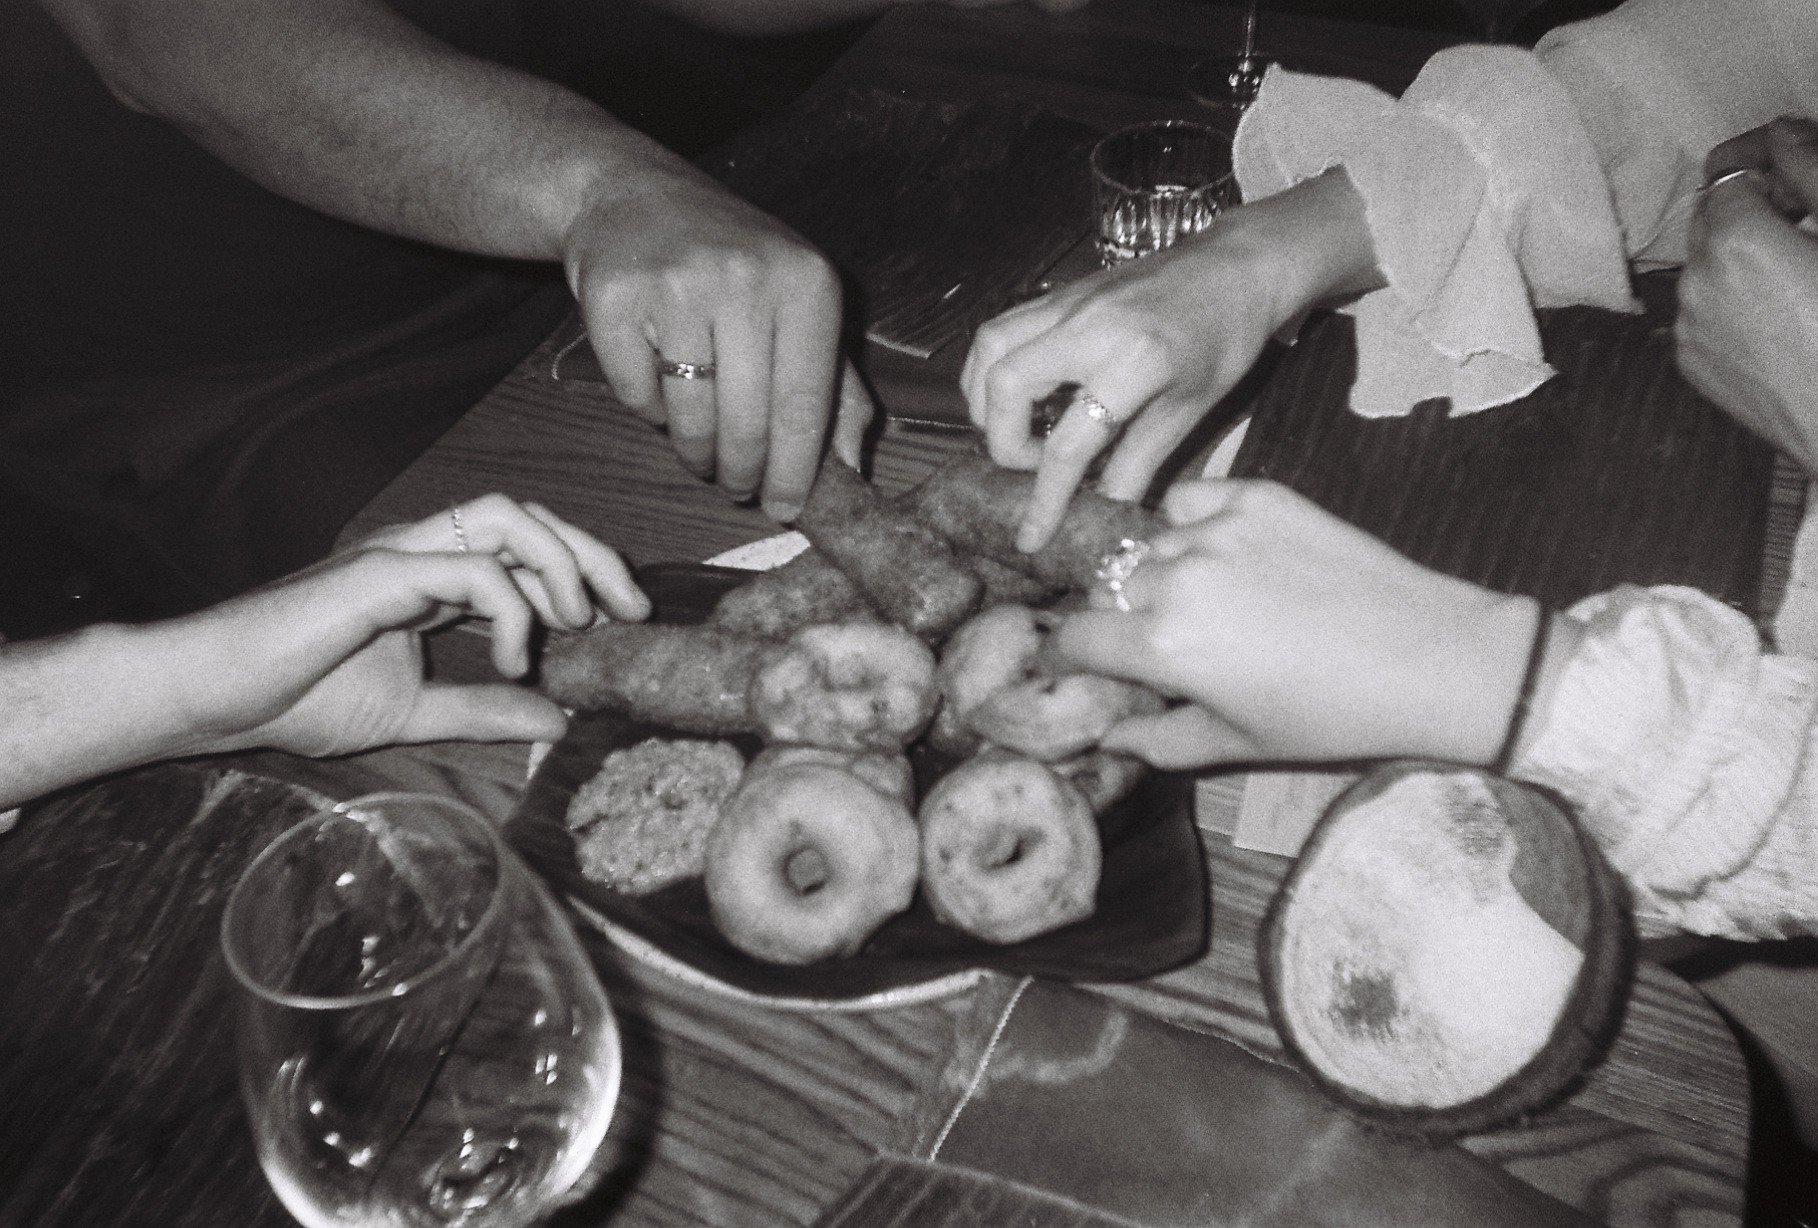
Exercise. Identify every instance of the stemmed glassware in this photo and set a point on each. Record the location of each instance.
(1231, 80)
(422, 1041)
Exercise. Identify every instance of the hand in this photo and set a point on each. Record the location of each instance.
(1296, 636)
(680, 269)
(1052, 7)
(329, 661)
(1747, 331)
(1158, 341)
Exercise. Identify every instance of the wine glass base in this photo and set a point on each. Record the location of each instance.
(1227, 80)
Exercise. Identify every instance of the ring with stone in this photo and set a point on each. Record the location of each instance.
(1098, 411)
(1116, 568)
(454, 516)
(685, 370)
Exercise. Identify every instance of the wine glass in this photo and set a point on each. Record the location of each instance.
(421, 1038)
(1231, 80)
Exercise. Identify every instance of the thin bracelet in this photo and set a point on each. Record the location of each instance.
(1524, 698)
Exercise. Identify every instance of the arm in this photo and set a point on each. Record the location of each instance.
(345, 107)
(326, 662)
(1689, 753)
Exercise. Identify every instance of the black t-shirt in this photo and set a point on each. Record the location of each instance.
(126, 250)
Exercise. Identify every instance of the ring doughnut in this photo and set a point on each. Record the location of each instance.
(806, 862)
(1009, 849)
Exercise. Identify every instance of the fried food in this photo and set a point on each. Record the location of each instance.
(850, 686)
(977, 506)
(689, 679)
(906, 569)
(886, 771)
(999, 684)
(775, 604)
(1105, 777)
(807, 862)
(641, 822)
(1009, 849)
(1051, 718)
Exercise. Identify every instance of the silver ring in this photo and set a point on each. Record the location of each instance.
(686, 370)
(1115, 569)
(454, 515)
(1724, 178)
(1098, 411)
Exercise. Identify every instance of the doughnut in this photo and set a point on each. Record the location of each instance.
(886, 771)
(806, 862)
(998, 683)
(850, 686)
(1009, 849)
(906, 569)
(1057, 718)
(1105, 777)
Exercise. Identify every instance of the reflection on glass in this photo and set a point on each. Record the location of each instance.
(421, 1039)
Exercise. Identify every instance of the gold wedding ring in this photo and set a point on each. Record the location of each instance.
(686, 370)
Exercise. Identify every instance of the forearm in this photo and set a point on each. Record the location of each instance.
(766, 17)
(82, 705)
(343, 106)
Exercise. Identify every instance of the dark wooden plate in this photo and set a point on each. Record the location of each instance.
(1152, 909)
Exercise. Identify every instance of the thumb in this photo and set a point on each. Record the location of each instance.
(1186, 737)
(494, 712)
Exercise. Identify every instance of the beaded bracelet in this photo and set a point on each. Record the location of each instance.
(1524, 698)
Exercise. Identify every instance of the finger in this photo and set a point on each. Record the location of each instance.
(1109, 643)
(485, 713)
(1075, 443)
(690, 406)
(624, 354)
(1180, 739)
(743, 352)
(1793, 148)
(1147, 443)
(995, 339)
(603, 568)
(807, 364)
(1747, 151)
(524, 542)
(379, 590)
(1197, 499)
(853, 418)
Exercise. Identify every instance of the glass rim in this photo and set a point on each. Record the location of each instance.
(1095, 161)
(398, 987)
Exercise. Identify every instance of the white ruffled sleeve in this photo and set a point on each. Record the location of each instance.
(1687, 751)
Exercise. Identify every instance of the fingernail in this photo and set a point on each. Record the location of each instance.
(783, 510)
(1028, 539)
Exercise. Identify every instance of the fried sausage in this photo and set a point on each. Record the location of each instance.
(977, 506)
(690, 679)
(776, 604)
(906, 569)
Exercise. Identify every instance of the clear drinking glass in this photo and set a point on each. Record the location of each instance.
(1155, 183)
(1231, 80)
(421, 1038)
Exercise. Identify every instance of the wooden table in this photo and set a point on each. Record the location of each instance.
(116, 1105)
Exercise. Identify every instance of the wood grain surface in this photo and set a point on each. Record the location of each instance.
(117, 1103)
